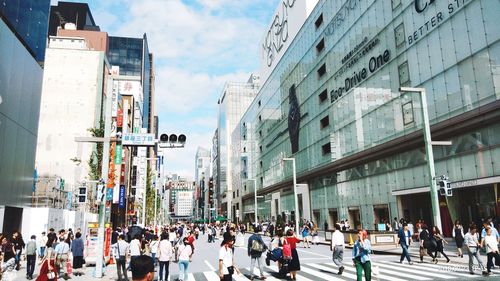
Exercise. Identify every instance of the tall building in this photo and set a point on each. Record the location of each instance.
(201, 178)
(235, 99)
(72, 103)
(71, 12)
(332, 102)
(23, 33)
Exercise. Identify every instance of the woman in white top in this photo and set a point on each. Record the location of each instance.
(226, 260)
(184, 255)
(490, 242)
(164, 255)
(154, 248)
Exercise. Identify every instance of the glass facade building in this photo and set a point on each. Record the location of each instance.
(133, 57)
(29, 19)
(335, 93)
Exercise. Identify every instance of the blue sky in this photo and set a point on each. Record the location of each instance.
(197, 45)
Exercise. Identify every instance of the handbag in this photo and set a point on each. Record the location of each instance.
(230, 270)
(51, 275)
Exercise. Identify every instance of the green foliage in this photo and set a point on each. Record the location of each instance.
(95, 161)
(150, 198)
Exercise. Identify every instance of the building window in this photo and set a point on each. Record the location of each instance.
(260, 118)
(259, 103)
(326, 149)
(319, 21)
(260, 164)
(324, 122)
(321, 46)
(396, 4)
(323, 96)
(404, 74)
(322, 71)
(399, 34)
(244, 149)
(260, 133)
(260, 148)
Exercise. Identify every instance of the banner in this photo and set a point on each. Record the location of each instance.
(121, 202)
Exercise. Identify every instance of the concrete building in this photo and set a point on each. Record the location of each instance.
(202, 175)
(23, 34)
(332, 102)
(235, 99)
(184, 203)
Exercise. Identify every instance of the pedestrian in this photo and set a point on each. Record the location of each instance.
(172, 236)
(294, 264)
(154, 249)
(337, 246)
(227, 267)
(395, 224)
(439, 241)
(490, 243)
(458, 234)
(271, 230)
(77, 248)
(122, 249)
(255, 248)
(326, 226)
(143, 269)
(17, 240)
(361, 256)
(135, 248)
(48, 270)
(472, 244)
(52, 235)
(41, 243)
(9, 255)
(30, 257)
(404, 240)
(305, 235)
(62, 250)
(164, 256)
(426, 242)
(184, 256)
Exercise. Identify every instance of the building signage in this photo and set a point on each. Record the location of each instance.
(121, 202)
(287, 20)
(118, 154)
(293, 119)
(435, 20)
(361, 75)
(341, 16)
(356, 54)
(109, 194)
(138, 139)
(114, 99)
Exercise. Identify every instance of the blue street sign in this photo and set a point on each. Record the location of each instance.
(109, 194)
(121, 202)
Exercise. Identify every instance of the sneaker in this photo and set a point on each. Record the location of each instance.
(471, 273)
(435, 261)
(410, 263)
(448, 261)
(341, 269)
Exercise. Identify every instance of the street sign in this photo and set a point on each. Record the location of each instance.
(138, 140)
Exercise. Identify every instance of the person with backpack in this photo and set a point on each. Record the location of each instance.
(256, 247)
(290, 251)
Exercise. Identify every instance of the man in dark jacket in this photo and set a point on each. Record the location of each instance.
(404, 240)
(256, 247)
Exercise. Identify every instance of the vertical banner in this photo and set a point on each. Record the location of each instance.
(118, 154)
(121, 202)
(125, 116)
(111, 173)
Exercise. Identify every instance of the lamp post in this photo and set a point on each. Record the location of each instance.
(295, 194)
(429, 152)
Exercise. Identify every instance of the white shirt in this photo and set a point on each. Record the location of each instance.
(135, 247)
(165, 250)
(337, 239)
(122, 248)
(491, 243)
(184, 252)
(154, 246)
(226, 255)
(171, 236)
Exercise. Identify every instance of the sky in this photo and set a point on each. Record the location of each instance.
(198, 45)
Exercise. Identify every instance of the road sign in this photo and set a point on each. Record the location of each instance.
(138, 140)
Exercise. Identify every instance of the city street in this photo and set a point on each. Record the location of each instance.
(316, 265)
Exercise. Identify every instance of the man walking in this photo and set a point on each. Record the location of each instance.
(31, 257)
(122, 249)
(255, 249)
(337, 246)
(404, 239)
(472, 244)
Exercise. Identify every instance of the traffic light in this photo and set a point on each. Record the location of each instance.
(445, 188)
(182, 139)
(82, 194)
(164, 138)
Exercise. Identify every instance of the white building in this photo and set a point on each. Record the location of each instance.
(202, 175)
(184, 203)
(71, 104)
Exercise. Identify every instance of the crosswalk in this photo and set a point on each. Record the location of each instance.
(381, 270)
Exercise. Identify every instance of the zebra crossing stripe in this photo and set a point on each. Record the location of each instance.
(345, 274)
(440, 271)
(379, 276)
(416, 275)
(315, 273)
(275, 270)
(211, 276)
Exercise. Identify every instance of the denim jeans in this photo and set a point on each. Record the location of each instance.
(405, 253)
(259, 263)
(183, 267)
(163, 264)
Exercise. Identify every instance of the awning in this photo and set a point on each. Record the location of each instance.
(410, 191)
(221, 218)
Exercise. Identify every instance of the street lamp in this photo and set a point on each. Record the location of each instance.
(429, 152)
(295, 194)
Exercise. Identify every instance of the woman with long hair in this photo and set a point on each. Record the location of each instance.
(361, 256)
(184, 255)
(227, 267)
(458, 234)
(48, 270)
(164, 255)
(440, 247)
(294, 265)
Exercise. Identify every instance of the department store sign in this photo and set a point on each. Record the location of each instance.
(287, 20)
(431, 21)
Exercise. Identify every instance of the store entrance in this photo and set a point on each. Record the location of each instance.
(473, 204)
(417, 207)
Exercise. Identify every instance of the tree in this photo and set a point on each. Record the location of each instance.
(95, 161)
(150, 197)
